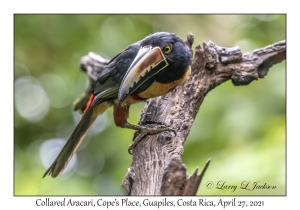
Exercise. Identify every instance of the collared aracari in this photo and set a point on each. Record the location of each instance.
(146, 69)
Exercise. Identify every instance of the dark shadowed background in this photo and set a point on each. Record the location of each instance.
(242, 129)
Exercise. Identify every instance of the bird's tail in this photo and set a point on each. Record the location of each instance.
(75, 140)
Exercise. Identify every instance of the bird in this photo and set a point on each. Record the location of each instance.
(146, 69)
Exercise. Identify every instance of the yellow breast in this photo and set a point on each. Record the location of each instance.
(159, 89)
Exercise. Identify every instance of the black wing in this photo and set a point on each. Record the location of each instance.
(109, 81)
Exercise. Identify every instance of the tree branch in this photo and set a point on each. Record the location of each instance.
(156, 168)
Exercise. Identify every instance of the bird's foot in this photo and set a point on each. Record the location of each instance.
(135, 142)
(143, 131)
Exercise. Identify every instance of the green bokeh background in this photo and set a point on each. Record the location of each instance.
(242, 129)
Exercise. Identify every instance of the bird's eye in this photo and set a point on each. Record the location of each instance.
(167, 49)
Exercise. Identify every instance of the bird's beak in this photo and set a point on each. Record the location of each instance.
(148, 62)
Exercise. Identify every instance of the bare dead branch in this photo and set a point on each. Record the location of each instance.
(176, 182)
(156, 168)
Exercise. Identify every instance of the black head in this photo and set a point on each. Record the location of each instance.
(175, 50)
(163, 57)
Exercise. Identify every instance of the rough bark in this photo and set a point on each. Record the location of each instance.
(156, 168)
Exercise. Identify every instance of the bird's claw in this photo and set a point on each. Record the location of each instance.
(143, 131)
(135, 142)
(158, 129)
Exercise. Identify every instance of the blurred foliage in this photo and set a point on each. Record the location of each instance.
(242, 129)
